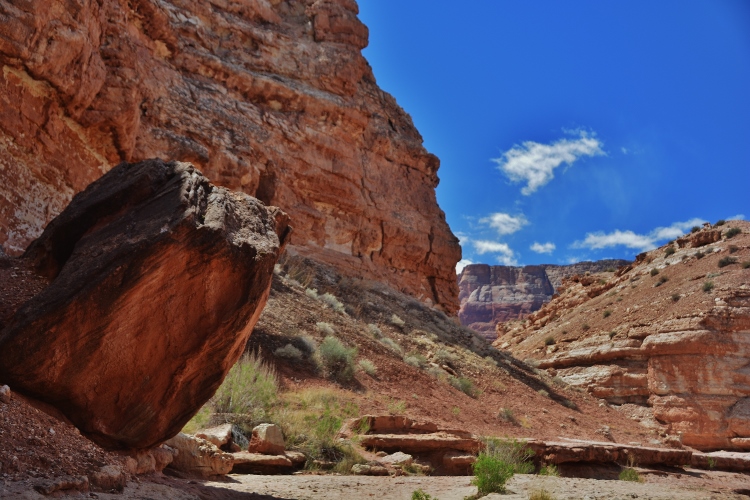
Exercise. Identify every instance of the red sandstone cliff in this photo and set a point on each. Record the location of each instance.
(668, 334)
(271, 97)
(493, 294)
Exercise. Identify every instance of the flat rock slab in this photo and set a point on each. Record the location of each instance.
(157, 278)
(258, 463)
(592, 451)
(419, 443)
(722, 460)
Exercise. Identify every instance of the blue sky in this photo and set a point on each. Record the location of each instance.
(575, 130)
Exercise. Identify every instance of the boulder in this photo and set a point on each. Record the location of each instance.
(5, 394)
(198, 457)
(369, 470)
(217, 436)
(456, 463)
(258, 463)
(157, 278)
(108, 478)
(267, 439)
(398, 458)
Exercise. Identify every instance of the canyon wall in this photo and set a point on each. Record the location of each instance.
(669, 334)
(271, 97)
(493, 294)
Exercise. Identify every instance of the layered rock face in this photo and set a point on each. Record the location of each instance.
(493, 294)
(670, 332)
(156, 280)
(271, 97)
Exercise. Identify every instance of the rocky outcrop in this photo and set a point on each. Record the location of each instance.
(198, 457)
(269, 97)
(494, 294)
(671, 332)
(157, 278)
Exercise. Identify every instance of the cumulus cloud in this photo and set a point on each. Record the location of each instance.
(736, 217)
(629, 239)
(548, 247)
(504, 223)
(504, 253)
(535, 163)
(461, 264)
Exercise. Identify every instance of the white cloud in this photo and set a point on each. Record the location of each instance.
(535, 163)
(504, 223)
(548, 247)
(629, 239)
(624, 151)
(506, 255)
(736, 217)
(461, 264)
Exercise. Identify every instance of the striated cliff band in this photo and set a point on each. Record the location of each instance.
(667, 338)
(270, 97)
(494, 294)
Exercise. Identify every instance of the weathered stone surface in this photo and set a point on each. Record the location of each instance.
(398, 458)
(268, 439)
(384, 424)
(217, 436)
(198, 457)
(599, 452)
(259, 463)
(669, 333)
(157, 278)
(148, 461)
(108, 478)
(493, 294)
(5, 394)
(722, 460)
(456, 463)
(369, 470)
(271, 98)
(419, 443)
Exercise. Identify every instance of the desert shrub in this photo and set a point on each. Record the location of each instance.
(549, 340)
(464, 385)
(675, 297)
(541, 494)
(695, 229)
(585, 327)
(337, 359)
(321, 443)
(443, 357)
(731, 233)
(661, 281)
(374, 330)
(421, 495)
(396, 321)
(720, 222)
(746, 265)
(699, 254)
(334, 303)
(669, 251)
(612, 334)
(506, 415)
(312, 293)
(416, 360)
(436, 372)
(308, 344)
(607, 313)
(543, 393)
(396, 407)
(654, 272)
(249, 389)
(630, 474)
(368, 367)
(497, 464)
(727, 261)
(549, 470)
(391, 344)
(325, 328)
(708, 286)
(733, 249)
(288, 352)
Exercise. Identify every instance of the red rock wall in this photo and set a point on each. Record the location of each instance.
(272, 97)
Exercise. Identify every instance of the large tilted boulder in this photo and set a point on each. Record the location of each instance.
(157, 279)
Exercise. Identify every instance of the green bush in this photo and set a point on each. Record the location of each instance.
(586, 327)
(506, 414)
(337, 359)
(720, 222)
(734, 249)
(699, 254)
(675, 297)
(312, 293)
(630, 474)
(443, 357)
(661, 281)
(421, 495)
(549, 470)
(368, 367)
(654, 272)
(607, 313)
(549, 340)
(541, 494)
(708, 286)
(288, 352)
(746, 265)
(416, 360)
(669, 251)
(391, 344)
(695, 229)
(396, 321)
(727, 261)
(497, 464)
(464, 385)
(374, 330)
(731, 233)
(333, 302)
(249, 389)
(325, 328)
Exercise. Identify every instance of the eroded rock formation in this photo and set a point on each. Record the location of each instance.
(271, 97)
(670, 332)
(493, 294)
(156, 279)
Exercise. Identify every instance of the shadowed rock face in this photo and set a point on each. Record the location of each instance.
(269, 97)
(494, 294)
(157, 278)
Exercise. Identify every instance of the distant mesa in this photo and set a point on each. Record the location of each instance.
(494, 294)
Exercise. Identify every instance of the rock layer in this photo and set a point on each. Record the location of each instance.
(269, 97)
(670, 332)
(157, 279)
(493, 294)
